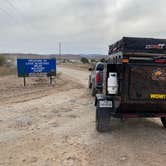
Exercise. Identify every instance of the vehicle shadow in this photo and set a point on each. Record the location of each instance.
(138, 130)
(132, 142)
(136, 124)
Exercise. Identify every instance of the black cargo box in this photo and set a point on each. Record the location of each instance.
(139, 45)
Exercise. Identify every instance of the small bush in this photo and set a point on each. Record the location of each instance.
(5, 70)
(102, 60)
(93, 60)
(84, 60)
(2, 60)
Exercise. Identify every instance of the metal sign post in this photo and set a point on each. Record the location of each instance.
(50, 80)
(24, 81)
(60, 54)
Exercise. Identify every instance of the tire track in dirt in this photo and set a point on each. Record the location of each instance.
(37, 131)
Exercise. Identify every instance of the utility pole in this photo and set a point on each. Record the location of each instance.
(60, 55)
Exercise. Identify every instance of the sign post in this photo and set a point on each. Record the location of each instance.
(24, 81)
(36, 68)
(50, 80)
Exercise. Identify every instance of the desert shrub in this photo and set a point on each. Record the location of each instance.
(102, 60)
(93, 60)
(2, 60)
(84, 60)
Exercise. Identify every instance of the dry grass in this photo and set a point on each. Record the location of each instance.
(77, 66)
(6, 70)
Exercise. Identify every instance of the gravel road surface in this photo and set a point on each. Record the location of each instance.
(43, 125)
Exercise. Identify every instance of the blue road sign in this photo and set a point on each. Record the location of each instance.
(36, 67)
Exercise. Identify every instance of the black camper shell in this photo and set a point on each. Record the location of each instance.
(138, 45)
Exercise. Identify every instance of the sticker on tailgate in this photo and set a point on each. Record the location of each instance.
(159, 74)
(158, 96)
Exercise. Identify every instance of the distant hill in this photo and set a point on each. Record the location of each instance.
(93, 55)
(66, 56)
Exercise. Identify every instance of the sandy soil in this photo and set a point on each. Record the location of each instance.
(55, 126)
(78, 66)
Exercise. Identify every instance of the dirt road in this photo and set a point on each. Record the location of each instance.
(55, 126)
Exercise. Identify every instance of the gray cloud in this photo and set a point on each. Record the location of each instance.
(83, 26)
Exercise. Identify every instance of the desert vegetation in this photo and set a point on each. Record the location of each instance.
(2, 60)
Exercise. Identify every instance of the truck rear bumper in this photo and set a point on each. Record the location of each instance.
(99, 87)
(120, 110)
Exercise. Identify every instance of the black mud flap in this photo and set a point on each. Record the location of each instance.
(103, 113)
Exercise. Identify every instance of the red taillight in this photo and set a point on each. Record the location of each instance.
(160, 61)
(98, 77)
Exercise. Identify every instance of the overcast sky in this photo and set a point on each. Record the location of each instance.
(82, 26)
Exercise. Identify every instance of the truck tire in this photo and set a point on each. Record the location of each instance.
(89, 83)
(163, 120)
(93, 91)
(102, 120)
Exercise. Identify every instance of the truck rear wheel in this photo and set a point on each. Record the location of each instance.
(102, 120)
(89, 83)
(163, 120)
(93, 90)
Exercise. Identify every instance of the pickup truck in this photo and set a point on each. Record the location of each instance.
(134, 82)
(95, 82)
